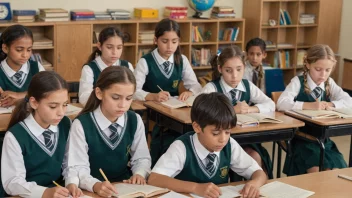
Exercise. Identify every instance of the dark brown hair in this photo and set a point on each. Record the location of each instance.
(224, 56)
(41, 85)
(11, 34)
(213, 109)
(104, 35)
(261, 44)
(108, 77)
(167, 25)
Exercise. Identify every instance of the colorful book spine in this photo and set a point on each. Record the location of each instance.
(24, 12)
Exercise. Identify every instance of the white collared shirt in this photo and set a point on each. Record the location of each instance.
(172, 162)
(76, 156)
(337, 96)
(87, 79)
(188, 76)
(257, 97)
(24, 68)
(13, 170)
(248, 74)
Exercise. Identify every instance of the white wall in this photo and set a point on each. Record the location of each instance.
(102, 5)
(345, 35)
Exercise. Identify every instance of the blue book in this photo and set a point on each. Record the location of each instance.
(287, 17)
(24, 12)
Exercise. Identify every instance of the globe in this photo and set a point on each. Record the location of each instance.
(200, 6)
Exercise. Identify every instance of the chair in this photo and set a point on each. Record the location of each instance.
(274, 81)
(275, 96)
(205, 79)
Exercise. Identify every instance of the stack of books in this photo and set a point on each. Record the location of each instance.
(200, 57)
(82, 15)
(282, 59)
(119, 14)
(270, 45)
(24, 15)
(229, 34)
(285, 18)
(102, 16)
(53, 14)
(175, 12)
(42, 42)
(223, 12)
(146, 36)
(197, 34)
(307, 19)
(300, 57)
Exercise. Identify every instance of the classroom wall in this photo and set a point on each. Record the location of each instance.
(345, 35)
(97, 5)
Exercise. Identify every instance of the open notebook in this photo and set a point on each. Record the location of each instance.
(4, 110)
(273, 189)
(253, 119)
(175, 103)
(69, 111)
(321, 114)
(134, 190)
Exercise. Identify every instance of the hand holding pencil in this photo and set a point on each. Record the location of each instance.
(162, 96)
(57, 191)
(104, 189)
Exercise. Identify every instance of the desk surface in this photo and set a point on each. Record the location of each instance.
(183, 115)
(321, 122)
(325, 184)
(137, 105)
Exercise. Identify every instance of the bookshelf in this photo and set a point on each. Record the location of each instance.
(73, 40)
(294, 37)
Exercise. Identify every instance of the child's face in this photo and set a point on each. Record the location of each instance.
(232, 71)
(111, 50)
(212, 139)
(20, 50)
(255, 56)
(115, 100)
(167, 44)
(320, 70)
(51, 109)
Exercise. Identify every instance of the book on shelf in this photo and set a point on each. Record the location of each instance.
(102, 16)
(95, 36)
(135, 190)
(229, 34)
(307, 19)
(53, 12)
(253, 119)
(274, 189)
(200, 57)
(285, 18)
(282, 59)
(323, 114)
(42, 42)
(53, 19)
(197, 34)
(146, 36)
(146, 13)
(300, 57)
(270, 45)
(175, 12)
(24, 12)
(219, 9)
(175, 103)
(223, 15)
(223, 12)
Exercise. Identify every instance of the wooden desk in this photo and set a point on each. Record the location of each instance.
(180, 121)
(325, 184)
(324, 128)
(137, 105)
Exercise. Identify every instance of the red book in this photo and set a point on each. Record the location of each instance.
(175, 8)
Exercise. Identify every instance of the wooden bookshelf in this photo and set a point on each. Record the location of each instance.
(258, 12)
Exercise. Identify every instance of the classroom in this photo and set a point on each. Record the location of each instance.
(179, 98)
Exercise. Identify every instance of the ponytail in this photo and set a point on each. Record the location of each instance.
(21, 111)
(214, 66)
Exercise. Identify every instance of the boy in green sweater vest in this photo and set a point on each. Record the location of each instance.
(198, 161)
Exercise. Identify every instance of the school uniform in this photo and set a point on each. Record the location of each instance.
(11, 80)
(248, 92)
(96, 143)
(90, 74)
(305, 152)
(152, 71)
(32, 157)
(188, 160)
(252, 74)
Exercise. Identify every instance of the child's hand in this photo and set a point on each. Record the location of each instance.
(241, 107)
(315, 105)
(74, 190)
(11, 94)
(7, 102)
(136, 179)
(162, 96)
(185, 95)
(208, 190)
(104, 189)
(56, 192)
(250, 190)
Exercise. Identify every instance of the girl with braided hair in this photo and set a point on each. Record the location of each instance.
(314, 90)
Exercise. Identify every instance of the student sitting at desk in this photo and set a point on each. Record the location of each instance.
(228, 79)
(16, 70)
(198, 161)
(314, 90)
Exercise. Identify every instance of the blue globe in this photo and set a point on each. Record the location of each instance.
(201, 6)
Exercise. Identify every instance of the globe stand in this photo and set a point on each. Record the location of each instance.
(198, 15)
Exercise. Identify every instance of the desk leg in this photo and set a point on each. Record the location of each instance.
(147, 124)
(278, 169)
(273, 156)
(350, 162)
(322, 153)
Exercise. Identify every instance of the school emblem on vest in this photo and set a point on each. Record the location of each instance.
(224, 171)
(174, 84)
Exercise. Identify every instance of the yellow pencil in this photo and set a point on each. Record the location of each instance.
(160, 88)
(58, 185)
(102, 173)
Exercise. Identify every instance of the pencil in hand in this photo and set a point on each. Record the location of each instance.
(104, 176)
